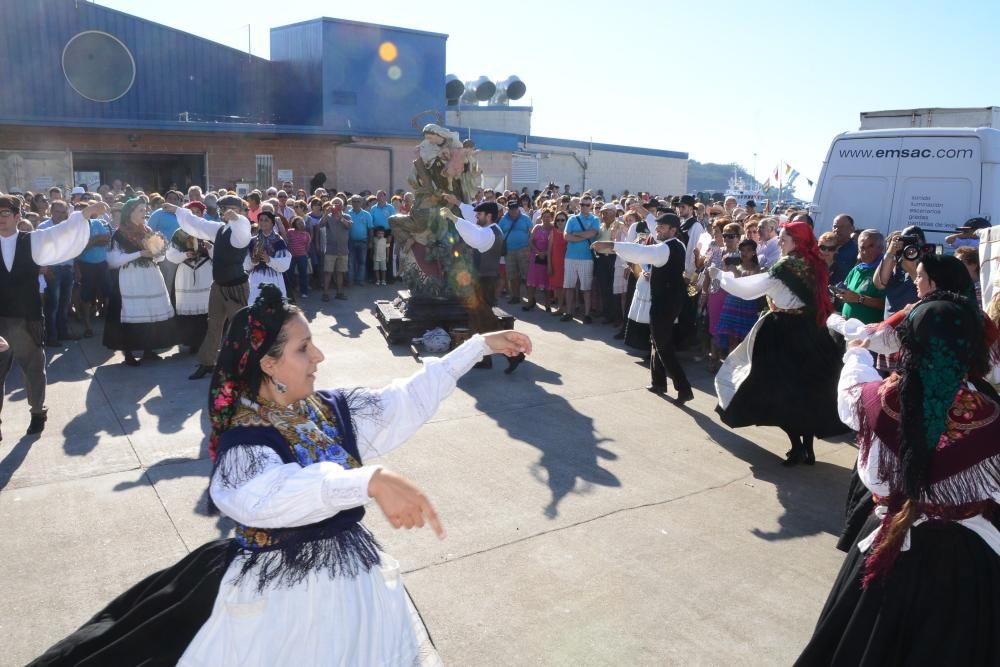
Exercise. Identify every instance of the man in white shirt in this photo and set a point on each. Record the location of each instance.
(20, 302)
(668, 291)
(483, 236)
(230, 287)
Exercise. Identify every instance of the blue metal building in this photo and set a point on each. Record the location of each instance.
(99, 94)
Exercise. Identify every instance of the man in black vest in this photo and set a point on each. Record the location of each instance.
(485, 237)
(230, 288)
(668, 292)
(21, 321)
(689, 234)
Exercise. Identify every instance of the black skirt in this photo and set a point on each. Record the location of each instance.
(857, 509)
(153, 622)
(129, 337)
(190, 329)
(794, 369)
(938, 605)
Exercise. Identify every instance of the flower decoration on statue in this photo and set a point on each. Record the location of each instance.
(251, 335)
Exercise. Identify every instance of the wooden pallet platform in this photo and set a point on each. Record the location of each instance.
(400, 323)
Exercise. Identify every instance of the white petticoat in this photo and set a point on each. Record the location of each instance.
(192, 288)
(261, 275)
(641, 301)
(736, 368)
(359, 621)
(144, 295)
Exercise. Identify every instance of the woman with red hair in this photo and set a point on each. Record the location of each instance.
(785, 371)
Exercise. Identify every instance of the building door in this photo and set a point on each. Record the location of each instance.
(150, 172)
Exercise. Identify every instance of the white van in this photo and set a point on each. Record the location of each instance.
(936, 178)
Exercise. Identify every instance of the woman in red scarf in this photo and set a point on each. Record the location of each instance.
(785, 371)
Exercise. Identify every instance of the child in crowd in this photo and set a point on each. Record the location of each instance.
(739, 315)
(379, 249)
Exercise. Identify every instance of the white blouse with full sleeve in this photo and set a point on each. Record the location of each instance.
(51, 245)
(360, 620)
(758, 285)
(657, 254)
(287, 494)
(207, 230)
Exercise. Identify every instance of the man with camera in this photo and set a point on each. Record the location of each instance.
(897, 273)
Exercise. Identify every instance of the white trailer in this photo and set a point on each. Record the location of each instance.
(931, 117)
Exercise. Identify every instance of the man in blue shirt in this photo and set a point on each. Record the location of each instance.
(579, 231)
(166, 223)
(93, 265)
(361, 232)
(58, 285)
(516, 230)
(847, 254)
(381, 211)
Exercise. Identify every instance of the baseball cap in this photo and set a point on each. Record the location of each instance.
(972, 224)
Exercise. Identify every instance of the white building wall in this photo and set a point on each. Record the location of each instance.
(609, 171)
(515, 120)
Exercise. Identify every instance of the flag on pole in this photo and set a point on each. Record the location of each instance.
(791, 178)
(777, 173)
(809, 181)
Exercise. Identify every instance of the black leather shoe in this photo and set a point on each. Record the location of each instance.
(200, 372)
(684, 396)
(513, 363)
(656, 389)
(131, 360)
(795, 457)
(37, 424)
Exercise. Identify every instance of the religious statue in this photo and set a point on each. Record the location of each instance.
(434, 262)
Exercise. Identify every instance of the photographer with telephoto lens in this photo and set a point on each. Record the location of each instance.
(897, 275)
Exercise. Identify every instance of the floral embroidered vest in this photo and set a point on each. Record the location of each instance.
(315, 430)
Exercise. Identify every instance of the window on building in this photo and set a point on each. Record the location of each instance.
(524, 169)
(265, 171)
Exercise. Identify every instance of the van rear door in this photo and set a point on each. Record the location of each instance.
(859, 179)
(937, 184)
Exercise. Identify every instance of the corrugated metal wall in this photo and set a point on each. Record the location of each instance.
(328, 73)
(175, 72)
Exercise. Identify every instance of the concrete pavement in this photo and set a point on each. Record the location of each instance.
(589, 522)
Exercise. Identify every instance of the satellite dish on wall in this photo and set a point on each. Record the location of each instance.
(98, 66)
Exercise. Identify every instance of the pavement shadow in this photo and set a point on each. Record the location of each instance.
(348, 323)
(812, 496)
(176, 469)
(14, 458)
(570, 446)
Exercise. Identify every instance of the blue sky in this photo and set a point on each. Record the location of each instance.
(720, 80)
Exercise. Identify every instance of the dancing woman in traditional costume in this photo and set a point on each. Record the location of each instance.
(934, 273)
(139, 311)
(921, 584)
(785, 371)
(302, 582)
(267, 257)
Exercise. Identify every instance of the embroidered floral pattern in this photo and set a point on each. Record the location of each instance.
(311, 431)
